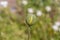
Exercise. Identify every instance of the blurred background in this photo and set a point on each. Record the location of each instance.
(29, 19)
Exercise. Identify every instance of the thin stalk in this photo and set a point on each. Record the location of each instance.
(29, 35)
(44, 33)
(28, 29)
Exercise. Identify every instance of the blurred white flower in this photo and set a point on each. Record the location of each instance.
(39, 13)
(57, 23)
(55, 27)
(30, 10)
(4, 3)
(24, 2)
(48, 8)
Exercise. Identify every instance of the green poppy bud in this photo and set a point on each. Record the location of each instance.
(31, 19)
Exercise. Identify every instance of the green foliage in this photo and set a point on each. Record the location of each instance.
(14, 26)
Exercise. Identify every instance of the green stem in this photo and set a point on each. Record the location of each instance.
(29, 35)
(44, 33)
